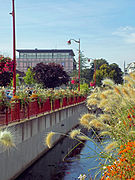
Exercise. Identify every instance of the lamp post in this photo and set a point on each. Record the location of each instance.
(94, 70)
(14, 50)
(69, 42)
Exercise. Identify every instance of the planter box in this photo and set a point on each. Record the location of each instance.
(75, 100)
(64, 102)
(15, 112)
(33, 108)
(78, 99)
(47, 105)
(56, 104)
(70, 100)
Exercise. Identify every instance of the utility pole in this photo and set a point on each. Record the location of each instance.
(14, 50)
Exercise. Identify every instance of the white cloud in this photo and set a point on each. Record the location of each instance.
(127, 33)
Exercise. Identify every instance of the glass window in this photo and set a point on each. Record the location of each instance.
(38, 55)
(54, 55)
(62, 63)
(31, 55)
(23, 55)
(49, 55)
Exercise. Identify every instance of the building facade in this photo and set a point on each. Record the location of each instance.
(30, 58)
(130, 68)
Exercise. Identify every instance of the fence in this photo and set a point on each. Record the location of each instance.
(18, 112)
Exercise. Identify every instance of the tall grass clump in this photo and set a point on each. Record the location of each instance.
(117, 119)
(6, 139)
(112, 116)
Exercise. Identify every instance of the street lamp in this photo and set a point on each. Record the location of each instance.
(94, 70)
(14, 52)
(69, 42)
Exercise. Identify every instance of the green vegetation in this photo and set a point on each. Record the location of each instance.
(17, 81)
(29, 78)
(50, 75)
(111, 116)
(103, 70)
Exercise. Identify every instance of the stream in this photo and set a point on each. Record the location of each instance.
(56, 164)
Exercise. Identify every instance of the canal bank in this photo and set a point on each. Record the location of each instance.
(50, 166)
(67, 160)
(29, 138)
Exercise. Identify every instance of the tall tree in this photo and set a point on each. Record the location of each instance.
(29, 78)
(101, 73)
(98, 63)
(88, 73)
(17, 81)
(83, 61)
(50, 75)
(116, 73)
(111, 71)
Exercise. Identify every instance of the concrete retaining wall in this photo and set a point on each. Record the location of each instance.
(29, 138)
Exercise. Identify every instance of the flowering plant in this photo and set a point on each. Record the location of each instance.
(92, 83)
(41, 95)
(24, 97)
(4, 103)
(123, 167)
(6, 64)
(14, 99)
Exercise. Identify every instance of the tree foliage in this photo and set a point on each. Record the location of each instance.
(111, 71)
(103, 70)
(116, 73)
(88, 72)
(29, 78)
(50, 75)
(17, 80)
(83, 61)
(5, 78)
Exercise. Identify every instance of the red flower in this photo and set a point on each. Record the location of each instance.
(92, 84)
(72, 82)
(69, 42)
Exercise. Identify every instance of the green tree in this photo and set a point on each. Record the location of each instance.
(101, 73)
(83, 61)
(116, 73)
(29, 78)
(17, 81)
(111, 71)
(88, 73)
(97, 63)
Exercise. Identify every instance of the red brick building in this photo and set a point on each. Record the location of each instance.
(31, 57)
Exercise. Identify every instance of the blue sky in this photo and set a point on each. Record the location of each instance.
(106, 28)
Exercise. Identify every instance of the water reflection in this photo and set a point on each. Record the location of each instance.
(50, 163)
(51, 166)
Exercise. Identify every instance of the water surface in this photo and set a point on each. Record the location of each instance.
(56, 165)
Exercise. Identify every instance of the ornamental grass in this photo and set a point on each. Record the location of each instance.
(117, 103)
(111, 115)
(6, 139)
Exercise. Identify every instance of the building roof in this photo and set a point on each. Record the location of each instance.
(46, 51)
(132, 63)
